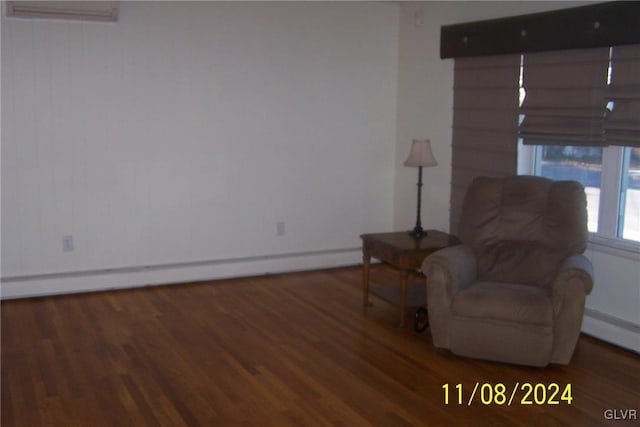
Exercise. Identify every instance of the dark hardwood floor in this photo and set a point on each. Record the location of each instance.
(295, 349)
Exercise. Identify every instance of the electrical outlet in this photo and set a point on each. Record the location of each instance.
(280, 230)
(67, 243)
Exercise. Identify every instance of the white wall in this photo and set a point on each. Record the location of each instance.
(613, 308)
(425, 102)
(177, 138)
(170, 143)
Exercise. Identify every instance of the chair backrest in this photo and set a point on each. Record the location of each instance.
(522, 227)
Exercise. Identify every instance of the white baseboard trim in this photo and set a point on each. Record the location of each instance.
(597, 324)
(131, 277)
(611, 329)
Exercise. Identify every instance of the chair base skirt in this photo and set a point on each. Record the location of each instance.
(502, 342)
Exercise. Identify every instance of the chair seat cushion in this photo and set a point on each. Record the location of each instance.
(508, 302)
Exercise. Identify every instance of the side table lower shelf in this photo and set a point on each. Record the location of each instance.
(416, 294)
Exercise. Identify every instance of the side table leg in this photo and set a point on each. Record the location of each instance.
(404, 284)
(366, 263)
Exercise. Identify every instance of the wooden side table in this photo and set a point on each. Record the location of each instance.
(403, 252)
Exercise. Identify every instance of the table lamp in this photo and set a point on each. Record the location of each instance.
(420, 156)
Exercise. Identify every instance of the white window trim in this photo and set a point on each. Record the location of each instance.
(604, 240)
(617, 247)
(609, 192)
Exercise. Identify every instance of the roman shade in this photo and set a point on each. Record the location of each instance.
(622, 123)
(485, 123)
(564, 101)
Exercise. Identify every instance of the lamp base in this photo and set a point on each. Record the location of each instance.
(418, 233)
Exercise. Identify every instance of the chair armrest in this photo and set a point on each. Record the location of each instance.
(455, 267)
(447, 271)
(576, 268)
(568, 294)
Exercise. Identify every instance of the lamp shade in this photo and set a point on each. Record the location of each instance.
(421, 154)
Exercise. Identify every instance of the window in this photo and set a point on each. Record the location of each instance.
(610, 175)
(629, 222)
(582, 164)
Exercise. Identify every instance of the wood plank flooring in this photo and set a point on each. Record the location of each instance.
(295, 349)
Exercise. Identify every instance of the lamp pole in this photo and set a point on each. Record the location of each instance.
(417, 230)
(419, 156)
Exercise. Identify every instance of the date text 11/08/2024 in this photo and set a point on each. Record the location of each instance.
(499, 394)
(524, 394)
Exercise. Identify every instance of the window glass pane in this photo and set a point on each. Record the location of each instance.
(630, 200)
(582, 164)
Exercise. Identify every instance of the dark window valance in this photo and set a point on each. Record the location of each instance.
(599, 25)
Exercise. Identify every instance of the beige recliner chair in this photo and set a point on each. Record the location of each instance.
(514, 291)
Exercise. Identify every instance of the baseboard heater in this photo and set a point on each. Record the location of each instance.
(106, 11)
(59, 283)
